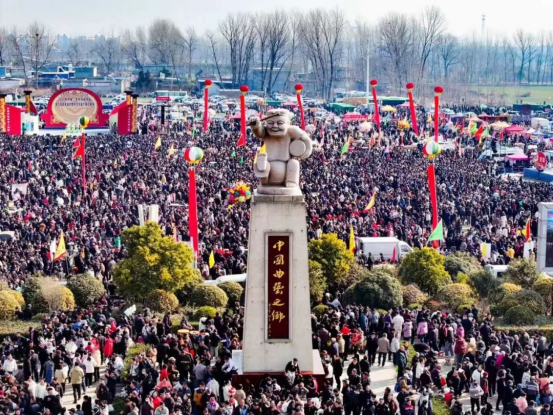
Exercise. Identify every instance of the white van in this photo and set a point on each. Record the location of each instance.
(496, 270)
(384, 246)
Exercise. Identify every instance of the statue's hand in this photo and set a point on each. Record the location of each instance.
(253, 121)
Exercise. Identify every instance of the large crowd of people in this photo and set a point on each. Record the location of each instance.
(125, 171)
(181, 373)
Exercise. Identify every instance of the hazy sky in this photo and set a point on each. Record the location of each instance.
(74, 17)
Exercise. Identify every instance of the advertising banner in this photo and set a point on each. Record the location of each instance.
(278, 287)
(124, 119)
(13, 120)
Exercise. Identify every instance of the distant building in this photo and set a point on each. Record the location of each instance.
(87, 72)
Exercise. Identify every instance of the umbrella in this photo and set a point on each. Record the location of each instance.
(365, 127)
(388, 108)
(499, 125)
(514, 129)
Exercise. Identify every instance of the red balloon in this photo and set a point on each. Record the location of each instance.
(244, 89)
(373, 82)
(410, 85)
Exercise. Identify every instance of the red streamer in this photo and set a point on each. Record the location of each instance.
(242, 141)
(436, 116)
(302, 116)
(433, 199)
(376, 113)
(206, 106)
(193, 210)
(83, 163)
(413, 114)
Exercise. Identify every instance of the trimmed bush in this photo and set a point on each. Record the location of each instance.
(8, 305)
(460, 262)
(67, 301)
(544, 286)
(412, 294)
(413, 306)
(390, 269)
(320, 310)
(483, 282)
(233, 290)
(453, 295)
(18, 297)
(376, 290)
(204, 311)
(520, 315)
(504, 290)
(86, 289)
(31, 288)
(424, 267)
(434, 305)
(462, 278)
(527, 298)
(161, 301)
(522, 272)
(4, 286)
(208, 295)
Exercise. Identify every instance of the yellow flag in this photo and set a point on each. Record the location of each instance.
(263, 149)
(61, 252)
(171, 150)
(63, 137)
(211, 260)
(351, 239)
(158, 143)
(483, 249)
(370, 205)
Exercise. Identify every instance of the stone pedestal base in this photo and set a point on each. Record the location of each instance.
(255, 378)
(277, 215)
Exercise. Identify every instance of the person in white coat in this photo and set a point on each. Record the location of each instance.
(89, 364)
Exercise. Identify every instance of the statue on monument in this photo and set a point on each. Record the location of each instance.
(279, 168)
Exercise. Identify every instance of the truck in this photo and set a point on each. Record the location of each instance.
(384, 246)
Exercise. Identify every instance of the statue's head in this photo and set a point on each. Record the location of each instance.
(277, 123)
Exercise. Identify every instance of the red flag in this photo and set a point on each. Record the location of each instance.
(528, 233)
(410, 87)
(394, 254)
(207, 84)
(479, 132)
(243, 91)
(438, 91)
(77, 143)
(193, 210)
(32, 108)
(374, 83)
(299, 88)
(501, 135)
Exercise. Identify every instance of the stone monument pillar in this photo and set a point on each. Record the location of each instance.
(277, 324)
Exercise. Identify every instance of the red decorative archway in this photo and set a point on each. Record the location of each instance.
(68, 105)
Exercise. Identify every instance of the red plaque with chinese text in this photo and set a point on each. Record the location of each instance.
(278, 287)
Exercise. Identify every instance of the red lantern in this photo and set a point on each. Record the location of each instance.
(244, 89)
(373, 83)
(299, 88)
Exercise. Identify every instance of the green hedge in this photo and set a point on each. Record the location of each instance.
(161, 301)
(205, 311)
(233, 290)
(133, 351)
(208, 295)
(521, 315)
(86, 289)
(546, 329)
(9, 328)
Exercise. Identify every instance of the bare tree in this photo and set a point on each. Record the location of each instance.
(524, 42)
(191, 41)
(108, 51)
(279, 36)
(239, 32)
(76, 52)
(432, 26)
(294, 22)
(449, 52)
(32, 48)
(261, 26)
(134, 46)
(213, 44)
(5, 46)
(396, 41)
(165, 43)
